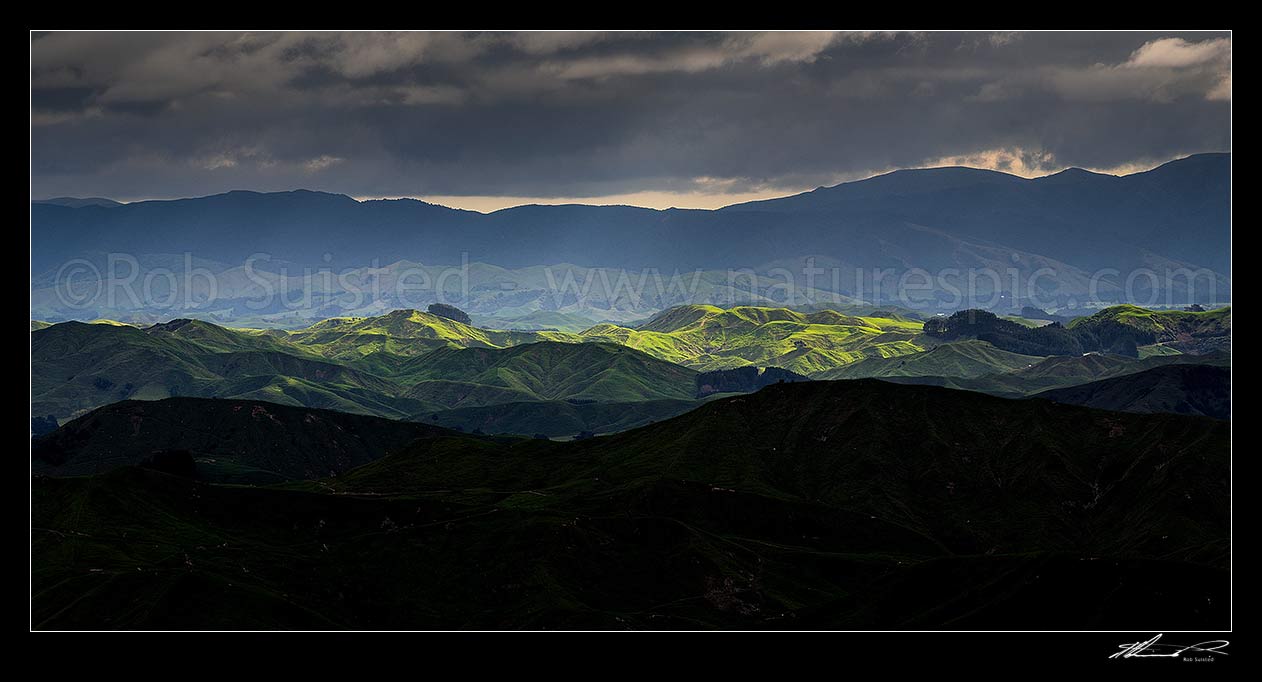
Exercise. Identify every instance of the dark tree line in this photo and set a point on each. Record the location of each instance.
(450, 312)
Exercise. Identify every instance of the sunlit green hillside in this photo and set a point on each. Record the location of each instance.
(709, 338)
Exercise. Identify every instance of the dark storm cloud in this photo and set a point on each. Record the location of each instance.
(566, 114)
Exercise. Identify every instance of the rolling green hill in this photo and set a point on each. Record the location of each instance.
(709, 338)
(855, 504)
(77, 367)
(407, 363)
(400, 363)
(1186, 331)
(406, 333)
(1166, 324)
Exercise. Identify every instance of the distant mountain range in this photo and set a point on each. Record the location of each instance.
(73, 202)
(1074, 222)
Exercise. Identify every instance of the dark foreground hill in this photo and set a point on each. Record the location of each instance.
(554, 418)
(1181, 389)
(238, 440)
(849, 504)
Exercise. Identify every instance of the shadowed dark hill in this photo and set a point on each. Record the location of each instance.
(557, 418)
(1181, 389)
(241, 440)
(805, 505)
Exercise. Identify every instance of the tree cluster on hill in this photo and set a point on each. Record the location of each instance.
(743, 379)
(450, 312)
(1112, 336)
(1051, 339)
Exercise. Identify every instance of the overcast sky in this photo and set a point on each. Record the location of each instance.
(488, 120)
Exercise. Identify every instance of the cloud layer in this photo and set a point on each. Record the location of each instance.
(591, 115)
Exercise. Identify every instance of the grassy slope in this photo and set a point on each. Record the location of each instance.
(824, 504)
(1184, 331)
(1165, 323)
(370, 365)
(406, 333)
(77, 367)
(709, 338)
(378, 365)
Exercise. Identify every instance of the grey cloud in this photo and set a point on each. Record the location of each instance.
(562, 114)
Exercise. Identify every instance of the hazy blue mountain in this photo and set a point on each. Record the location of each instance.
(1087, 219)
(933, 218)
(77, 202)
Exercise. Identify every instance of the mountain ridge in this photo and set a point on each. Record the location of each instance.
(1072, 171)
(912, 218)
